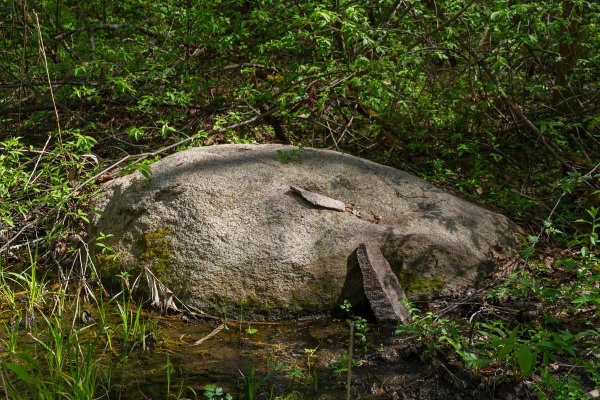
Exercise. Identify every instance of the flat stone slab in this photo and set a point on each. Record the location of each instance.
(319, 200)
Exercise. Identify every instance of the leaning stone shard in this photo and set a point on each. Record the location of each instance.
(386, 297)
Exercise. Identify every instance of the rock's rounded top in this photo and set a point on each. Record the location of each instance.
(235, 230)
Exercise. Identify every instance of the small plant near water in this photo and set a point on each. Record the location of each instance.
(106, 252)
(213, 392)
(169, 369)
(295, 372)
(311, 365)
(340, 365)
(250, 330)
(361, 326)
(252, 385)
(358, 329)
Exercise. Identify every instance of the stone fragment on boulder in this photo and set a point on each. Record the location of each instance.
(386, 297)
(220, 227)
(319, 200)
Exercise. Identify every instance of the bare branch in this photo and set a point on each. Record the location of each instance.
(140, 157)
(113, 27)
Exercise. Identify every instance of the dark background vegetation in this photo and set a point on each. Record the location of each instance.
(497, 101)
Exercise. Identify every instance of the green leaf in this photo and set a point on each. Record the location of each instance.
(526, 359)
(503, 352)
(585, 251)
(594, 238)
(472, 360)
(8, 221)
(19, 371)
(144, 170)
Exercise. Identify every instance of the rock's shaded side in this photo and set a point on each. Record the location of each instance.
(220, 227)
(381, 285)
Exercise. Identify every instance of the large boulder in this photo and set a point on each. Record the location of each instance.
(221, 227)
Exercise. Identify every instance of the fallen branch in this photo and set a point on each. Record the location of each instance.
(140, 157)
(70, 105)
(112, 27)
(205, 338)
(249, 65)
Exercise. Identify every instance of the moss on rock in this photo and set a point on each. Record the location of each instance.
(317, 297)
(414, 285)
(156, 253)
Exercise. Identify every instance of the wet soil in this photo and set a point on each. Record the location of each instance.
(298, 359)
(292, 360)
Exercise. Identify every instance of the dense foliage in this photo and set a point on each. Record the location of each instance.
(497, 100)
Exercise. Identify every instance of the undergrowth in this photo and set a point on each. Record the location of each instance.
(537, 325)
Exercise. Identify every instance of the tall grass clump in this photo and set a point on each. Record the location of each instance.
(46, 276)
(49, 354)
